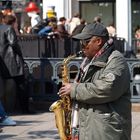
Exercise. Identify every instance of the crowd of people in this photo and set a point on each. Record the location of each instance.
(52, 25)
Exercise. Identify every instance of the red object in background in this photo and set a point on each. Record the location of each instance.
(32, 7)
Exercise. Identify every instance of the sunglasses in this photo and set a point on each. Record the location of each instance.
(85, 42)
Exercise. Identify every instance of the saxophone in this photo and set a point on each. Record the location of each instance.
(62, 107)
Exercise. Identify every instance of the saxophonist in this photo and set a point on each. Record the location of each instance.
(102, 91)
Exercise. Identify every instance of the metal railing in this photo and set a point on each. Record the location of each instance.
(45, 77)
(54, 47)
(49, 46)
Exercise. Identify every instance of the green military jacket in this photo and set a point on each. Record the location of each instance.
(104, 102)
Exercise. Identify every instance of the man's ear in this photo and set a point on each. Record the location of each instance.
(99, 41)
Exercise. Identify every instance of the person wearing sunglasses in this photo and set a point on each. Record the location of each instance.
(102, 88)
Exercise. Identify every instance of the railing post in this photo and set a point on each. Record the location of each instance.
(38, 38)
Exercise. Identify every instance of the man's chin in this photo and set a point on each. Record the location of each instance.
(86, 54)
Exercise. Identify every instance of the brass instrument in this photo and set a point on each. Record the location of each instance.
(62, 108)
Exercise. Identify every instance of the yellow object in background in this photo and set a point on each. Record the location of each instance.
(51, 12)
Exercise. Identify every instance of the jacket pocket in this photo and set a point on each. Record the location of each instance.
(116, 121)
(112, 125)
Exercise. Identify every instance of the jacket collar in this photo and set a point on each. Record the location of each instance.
(101, 60)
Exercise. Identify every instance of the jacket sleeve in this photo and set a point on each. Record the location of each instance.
(12, 40)
(111, 84)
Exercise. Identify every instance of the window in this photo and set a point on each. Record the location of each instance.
(106, 10)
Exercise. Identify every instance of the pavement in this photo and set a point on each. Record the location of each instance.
(41, 126)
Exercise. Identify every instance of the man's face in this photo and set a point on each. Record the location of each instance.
(91, 46)
(63, 22)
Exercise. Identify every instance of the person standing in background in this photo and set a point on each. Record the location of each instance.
(7, 10)
(137, 37)
(78, 29)
(4, 119)
(61, 28)
(11, 54)
(97, 19)
(32, 11)
(64, 35)
(25, 27)
(111, 30)
(75, 20)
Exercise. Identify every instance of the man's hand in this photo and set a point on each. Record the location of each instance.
(65, 89)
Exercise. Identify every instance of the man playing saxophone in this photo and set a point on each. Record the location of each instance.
(102, 91)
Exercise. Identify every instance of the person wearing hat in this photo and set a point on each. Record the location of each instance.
(8, 10)
(32, 11)
(101, 88)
